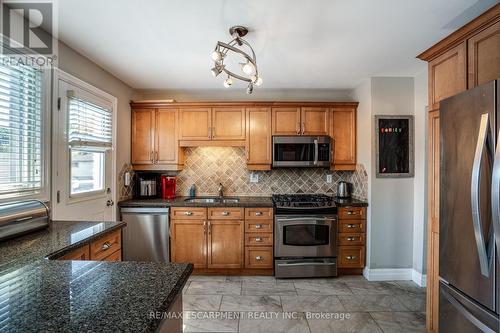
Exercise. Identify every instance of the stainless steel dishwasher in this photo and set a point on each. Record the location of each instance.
(146, 236)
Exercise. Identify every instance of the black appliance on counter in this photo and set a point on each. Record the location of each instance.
(469, 238)
(305, 232)
(146, 185)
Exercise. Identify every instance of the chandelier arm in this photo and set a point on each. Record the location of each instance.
(236, 76)
(235, 49)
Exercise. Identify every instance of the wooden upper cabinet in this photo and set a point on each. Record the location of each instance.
(286, 121)
(484, 56)
(143, 133)
(195, 124)
(258, 139)
(343, 133)
(189, 242)
(225, 243)
(166, 146)
(447, 74)
(228, 123)
(315, 121)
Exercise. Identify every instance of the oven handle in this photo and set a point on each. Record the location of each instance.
(308, 264)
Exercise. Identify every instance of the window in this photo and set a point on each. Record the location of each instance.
(89, 138)
(21, 139)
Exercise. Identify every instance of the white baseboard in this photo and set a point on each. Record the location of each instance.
(387, 274)
(419, 278)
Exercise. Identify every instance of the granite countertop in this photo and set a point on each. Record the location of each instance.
(56, 240)
(350, 202)
(180, 202)
(41, 295)
(89, 296)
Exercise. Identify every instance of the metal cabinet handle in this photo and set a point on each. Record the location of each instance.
(350, 239)
(204, 227)
(350, 212)
(351, 226)
(212, 131)
(258, 213)
(152, 157)
(209, 227)
(303, 127)
(188, 213)
(483, 138)
(258, 239)
(258, 226)
(156, 157)
(259, 258)
(225, 213)
(106, 246)
(350, 257)
(298, 128)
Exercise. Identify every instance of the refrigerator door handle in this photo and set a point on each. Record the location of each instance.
(495, 196)
(483, 137)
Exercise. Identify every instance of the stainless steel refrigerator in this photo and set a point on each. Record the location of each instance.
(469, 269)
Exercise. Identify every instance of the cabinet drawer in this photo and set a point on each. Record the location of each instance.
(351, 226)
(117, 256)
(258, 213)
(351, 256)
(188, 213)
(104, 246)
(258, 239)
(351, 239)
(352, 213)
(81, 253)
(225, 213)
(259, 226)
(259, 257)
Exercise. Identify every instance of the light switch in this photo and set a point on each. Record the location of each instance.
(329, 179)
(254, 177)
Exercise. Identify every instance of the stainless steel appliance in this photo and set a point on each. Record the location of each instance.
(344, 189)
(469, 251)
(305, 234)
(302, 151)
(147, 187)
(146, 236)
(17, 218)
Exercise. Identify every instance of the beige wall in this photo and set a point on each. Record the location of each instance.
(83, 68)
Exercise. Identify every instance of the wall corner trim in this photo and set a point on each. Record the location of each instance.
(395, 274)
(419, 278)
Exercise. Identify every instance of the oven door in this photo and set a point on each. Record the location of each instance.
(301, 151)
(305, 236)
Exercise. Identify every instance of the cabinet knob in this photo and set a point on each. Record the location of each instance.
(350, 257)
(351, 226)
(258, 226)
(188, 213)
(259, 258)
(225, 213)
(258, 239)
(258, 213)
(350, 238)
(106, 246)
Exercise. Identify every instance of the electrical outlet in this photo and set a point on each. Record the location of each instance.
(254, 177)
(329, 179)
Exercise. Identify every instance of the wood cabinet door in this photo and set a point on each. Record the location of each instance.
(81, 253)
(315, 121)
(447, 74)
(143, 133)
(433, 177)
(258, 139)
(225, 243)
(166, 145)
(286, 121)
(195, 124)
(228, 123)
(343, 132)
(189, 242)
(484, 56)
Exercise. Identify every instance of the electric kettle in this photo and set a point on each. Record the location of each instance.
(344, 190)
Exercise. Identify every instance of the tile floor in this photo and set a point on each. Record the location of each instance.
(264, 304)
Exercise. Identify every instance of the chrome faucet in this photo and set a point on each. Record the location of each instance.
(221, 190)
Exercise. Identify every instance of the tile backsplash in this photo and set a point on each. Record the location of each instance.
(206, 167)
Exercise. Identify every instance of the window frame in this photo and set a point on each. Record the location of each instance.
(76, 196)
(43, 193)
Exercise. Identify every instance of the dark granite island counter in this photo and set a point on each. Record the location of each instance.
(41, 295)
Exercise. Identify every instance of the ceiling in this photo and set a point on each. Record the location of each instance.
(314, 44)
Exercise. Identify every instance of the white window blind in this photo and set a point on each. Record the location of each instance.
(20, 129)
(89, 125)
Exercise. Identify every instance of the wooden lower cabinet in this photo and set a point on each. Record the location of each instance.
(106, 248)
(189, 242)
(351, 238)
(225, 243)
(259, 257)
(351, 256)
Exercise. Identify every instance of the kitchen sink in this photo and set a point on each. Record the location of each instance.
(212, 200)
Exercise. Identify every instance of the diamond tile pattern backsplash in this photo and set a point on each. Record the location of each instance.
(206, 167)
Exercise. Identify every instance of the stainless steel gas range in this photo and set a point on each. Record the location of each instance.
(305, 232)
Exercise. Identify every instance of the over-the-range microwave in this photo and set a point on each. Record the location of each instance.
(302, 151)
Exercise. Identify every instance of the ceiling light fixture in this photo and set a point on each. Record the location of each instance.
(249, 67)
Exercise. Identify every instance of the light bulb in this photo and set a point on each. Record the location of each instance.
(250, 88)
(216, 71)
(258, 82)
(217, 56)
(228, 82)
(248, 68)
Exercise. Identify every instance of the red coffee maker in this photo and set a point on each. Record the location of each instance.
(168, 187)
